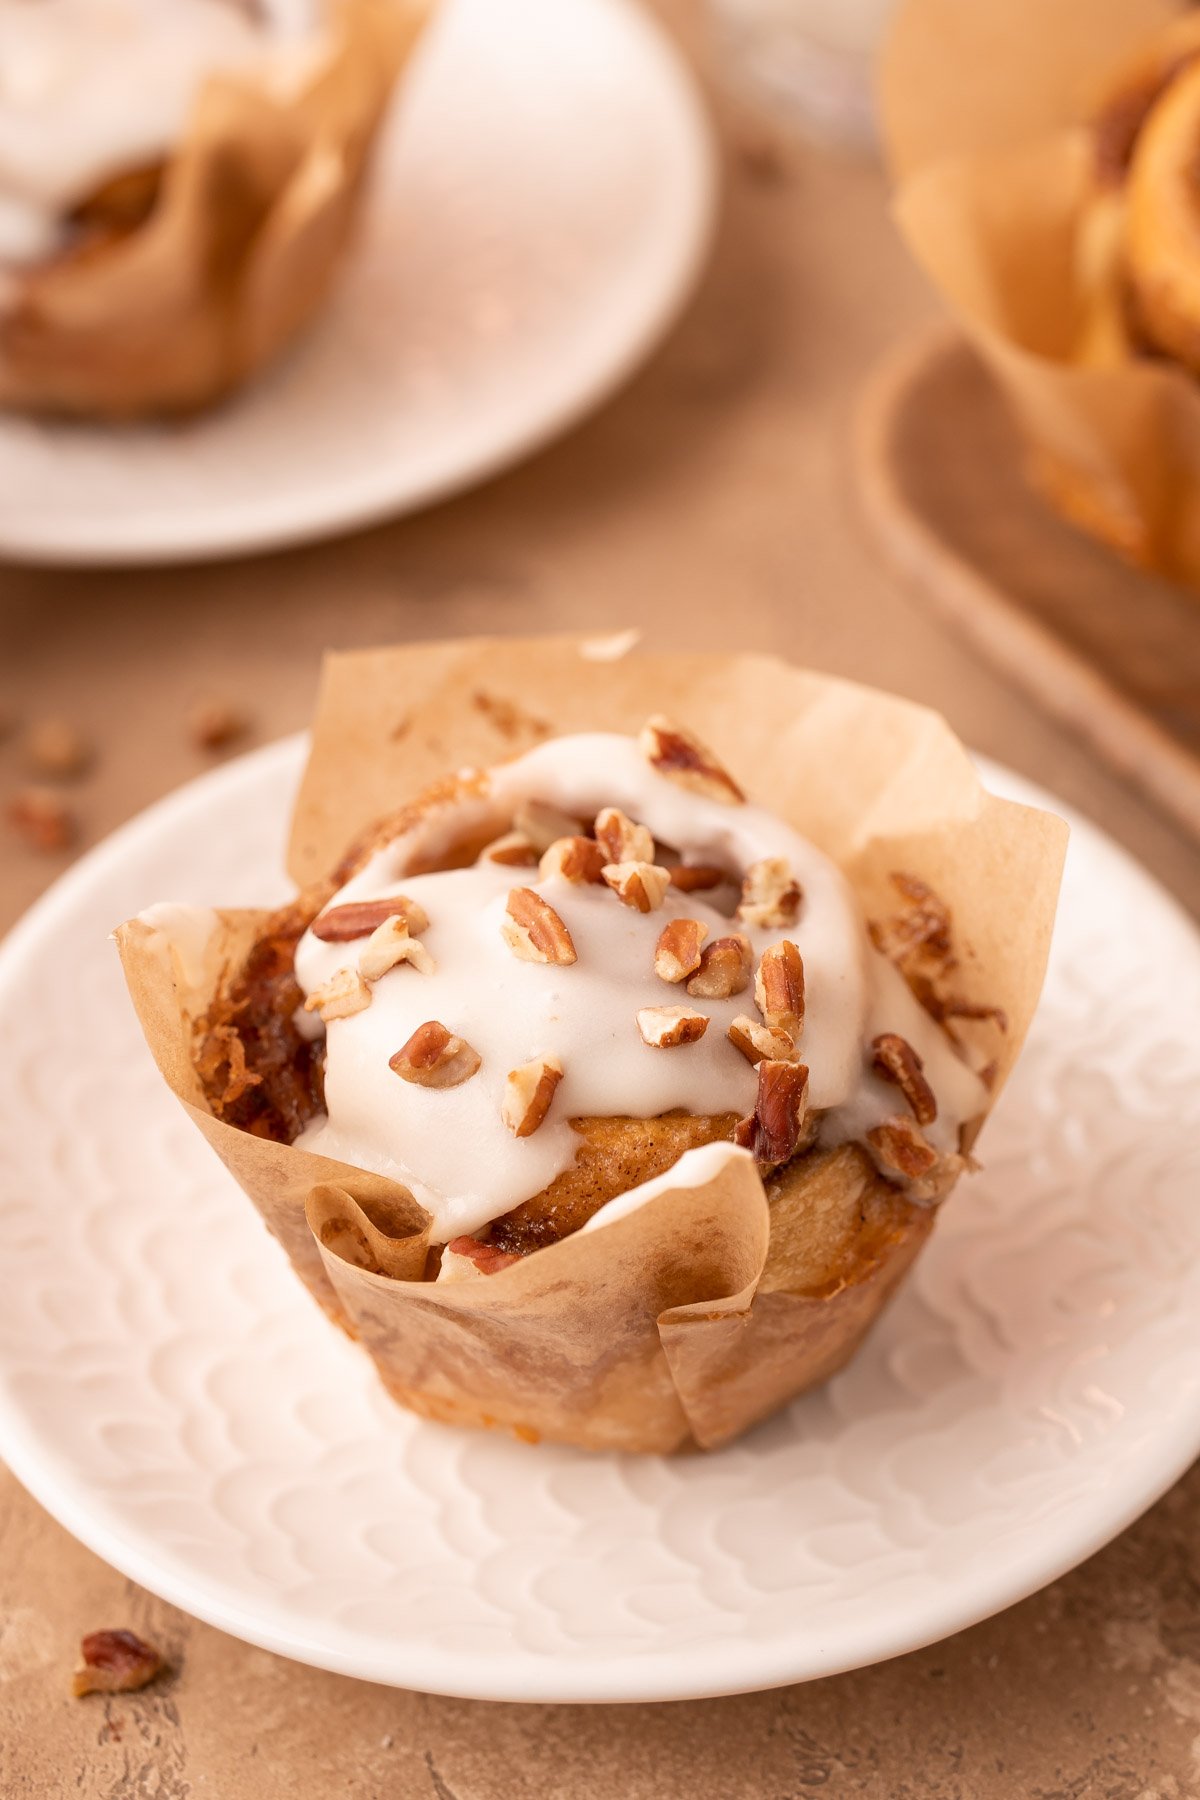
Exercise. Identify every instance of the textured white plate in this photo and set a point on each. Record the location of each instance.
(171, 1394)
(541, 209)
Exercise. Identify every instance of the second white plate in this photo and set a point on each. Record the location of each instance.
(541, 208)
(170, 1392)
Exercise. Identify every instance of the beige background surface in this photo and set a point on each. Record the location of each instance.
(713, 504)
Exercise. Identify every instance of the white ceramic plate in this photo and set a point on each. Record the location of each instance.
(172, 1395)
(540, 211)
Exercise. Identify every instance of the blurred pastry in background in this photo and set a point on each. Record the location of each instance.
(1139, 237)
(177, 185)
(1057, 209)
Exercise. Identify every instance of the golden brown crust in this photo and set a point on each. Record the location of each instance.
(615, 1154)
(833, 1218)
(815, 1248)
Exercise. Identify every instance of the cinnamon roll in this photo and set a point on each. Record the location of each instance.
(597, 1100)
(1139, 239)
(176, 185)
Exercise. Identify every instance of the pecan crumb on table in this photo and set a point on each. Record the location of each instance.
(115, 1662)
(43, 819)
(215, 724)
(57, 751)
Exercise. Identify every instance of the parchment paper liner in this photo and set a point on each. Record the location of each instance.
(984, 111)
(257, 202)
(696, 1314)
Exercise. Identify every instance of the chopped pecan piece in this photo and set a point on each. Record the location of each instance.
(359, 918)
(435, 1058)
(894, 1058)
(901, 1149)
(115, 1662)
(778, 1126)
(919, 942)
(667, 1027)
(57, 751)
(215, 724)
(528, 1092)
(513, 850)
(677, 952)
(575, 859)
(642, 885)
(771, 895)
(622, 840)
(343, 994)
(44, 820)
(755, 1041)
(779, 987)
(390, 944)
(921, 931)
(534, 931)
(692, 878)
(485, 1259)
(724, 970)
(541, 824)
(679, 754)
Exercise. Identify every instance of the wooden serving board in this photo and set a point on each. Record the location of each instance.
(1111, 652)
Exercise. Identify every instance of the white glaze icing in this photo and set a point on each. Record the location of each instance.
(190, 931)
(90, 89)
(449, 1146)
(694, 1169)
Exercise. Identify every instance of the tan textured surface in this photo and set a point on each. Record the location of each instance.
(712, 500)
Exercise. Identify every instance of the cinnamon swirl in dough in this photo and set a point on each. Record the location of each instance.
(1139, 239)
